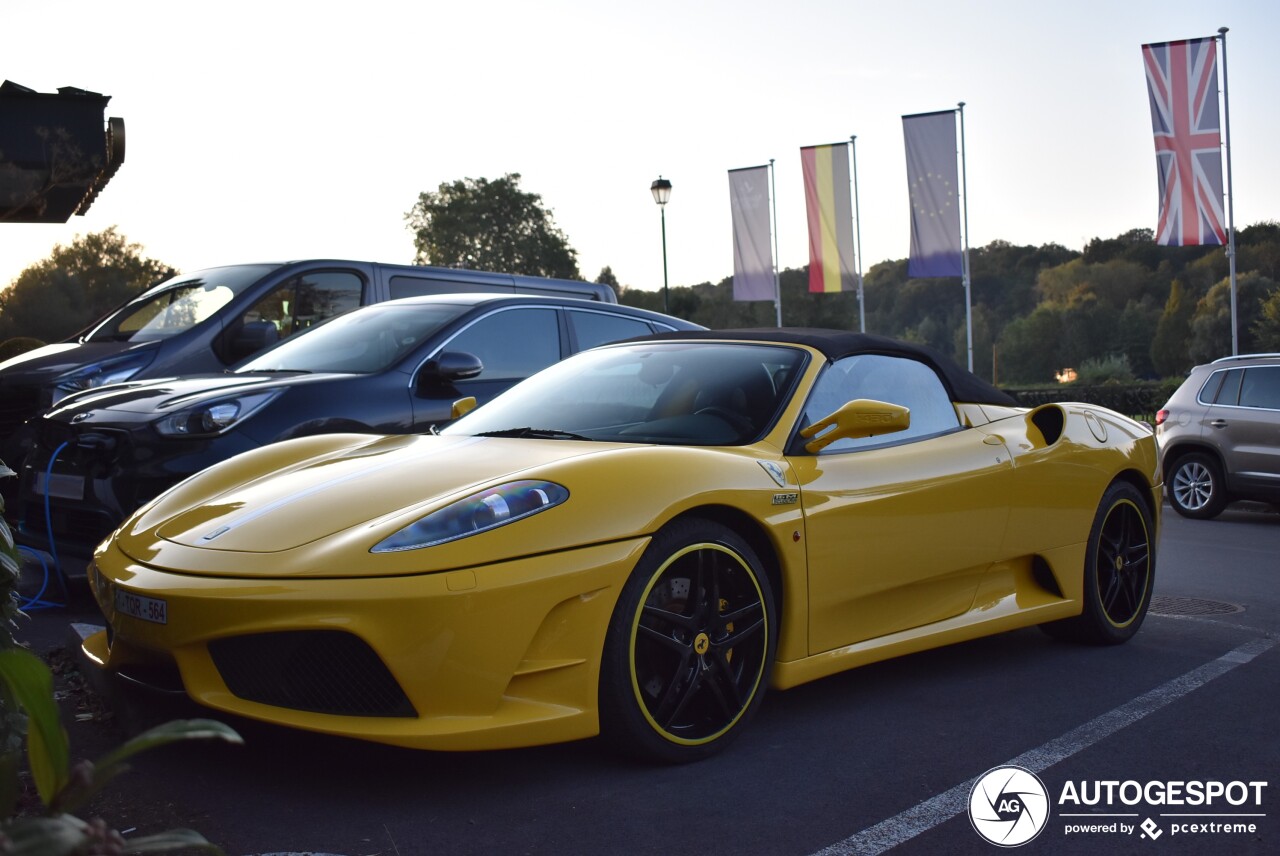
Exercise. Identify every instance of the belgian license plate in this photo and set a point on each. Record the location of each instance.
(146, 608)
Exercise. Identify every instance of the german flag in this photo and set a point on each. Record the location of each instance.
(830, 214)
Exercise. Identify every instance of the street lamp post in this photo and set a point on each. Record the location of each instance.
(661, 189)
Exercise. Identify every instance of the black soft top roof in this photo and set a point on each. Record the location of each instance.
(962, 386)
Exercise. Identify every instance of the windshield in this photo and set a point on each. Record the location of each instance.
(177, 304)
(702, 393)
(362, 342)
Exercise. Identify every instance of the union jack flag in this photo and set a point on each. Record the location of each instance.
(1182, 80)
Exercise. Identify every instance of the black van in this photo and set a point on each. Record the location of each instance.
(207, 320)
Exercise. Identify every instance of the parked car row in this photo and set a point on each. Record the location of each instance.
(473, 520)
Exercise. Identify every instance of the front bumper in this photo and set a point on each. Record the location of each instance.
(492, 657)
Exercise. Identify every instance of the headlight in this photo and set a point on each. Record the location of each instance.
(215, 417)
(477, 513)
(101, 373)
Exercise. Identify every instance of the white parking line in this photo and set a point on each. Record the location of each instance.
(937, 810)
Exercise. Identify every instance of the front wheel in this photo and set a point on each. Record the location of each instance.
(689, 647)
(1196, 487)
(1119, 571)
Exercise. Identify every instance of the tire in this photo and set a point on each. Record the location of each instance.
(1119, 571)
(1196, 487)
(689, 647)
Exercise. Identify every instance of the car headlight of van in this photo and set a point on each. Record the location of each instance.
(101, 373)
(214, 417)
(477, 513)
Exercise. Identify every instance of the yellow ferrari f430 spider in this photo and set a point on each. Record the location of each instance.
(636, 542)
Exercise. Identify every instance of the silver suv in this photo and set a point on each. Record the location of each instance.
(1220, 435)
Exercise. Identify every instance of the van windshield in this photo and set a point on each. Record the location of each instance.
(177, 304)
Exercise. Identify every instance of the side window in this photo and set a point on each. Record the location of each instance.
(511, 343)
(416, 286)
(598, 328)
(893, 379)
(306, 300)
(1261, 387)
(1229, 393)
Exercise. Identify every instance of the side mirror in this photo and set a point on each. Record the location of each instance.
(447, 367)
(462, 407)
(253, 337)
(861, 418)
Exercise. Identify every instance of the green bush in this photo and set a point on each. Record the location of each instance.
(1113, 368)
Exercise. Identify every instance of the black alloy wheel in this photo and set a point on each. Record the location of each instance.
(1119, 571)
(689, 646)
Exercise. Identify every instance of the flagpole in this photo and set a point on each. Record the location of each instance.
(1231, 197)
(857, 234)
(777, 285)
(968, 302)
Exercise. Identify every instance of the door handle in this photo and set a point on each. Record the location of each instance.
(1219, 423)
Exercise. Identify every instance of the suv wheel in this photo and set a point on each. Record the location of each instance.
(1196, 488)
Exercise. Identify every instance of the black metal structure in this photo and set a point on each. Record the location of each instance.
(56, 155)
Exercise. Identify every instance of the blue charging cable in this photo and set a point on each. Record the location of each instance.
(38, 602)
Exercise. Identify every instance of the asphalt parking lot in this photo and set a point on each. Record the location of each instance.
(880, 759)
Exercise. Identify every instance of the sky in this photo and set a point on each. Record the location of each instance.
(262, 131)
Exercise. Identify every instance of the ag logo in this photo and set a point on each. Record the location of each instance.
(1008, 806)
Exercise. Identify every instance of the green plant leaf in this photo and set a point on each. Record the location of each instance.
(31, 683)
(46, 836)
(174, 839)
(170, 732)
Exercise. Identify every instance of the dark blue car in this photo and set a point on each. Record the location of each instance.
(392, 368)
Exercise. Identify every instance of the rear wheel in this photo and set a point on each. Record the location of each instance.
(1196, 488)
(1119, 571)
(689, 646)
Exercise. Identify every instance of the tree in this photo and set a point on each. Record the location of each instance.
(490, 225)
(1173, 334)
(607, 277)
(1211, 324)
(76, 285)
(1267, 328)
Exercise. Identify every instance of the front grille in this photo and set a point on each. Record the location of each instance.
(322, 671)
(17, 405)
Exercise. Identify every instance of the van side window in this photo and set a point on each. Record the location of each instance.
(306, 300)
(416, 286)
(511, 343)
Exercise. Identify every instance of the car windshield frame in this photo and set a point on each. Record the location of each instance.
(369, 340)
(178, 304)
(674, 393)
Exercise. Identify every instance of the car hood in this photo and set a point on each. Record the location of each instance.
(315, 506)
(285, 505)
(155, 397)
(47, 363)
